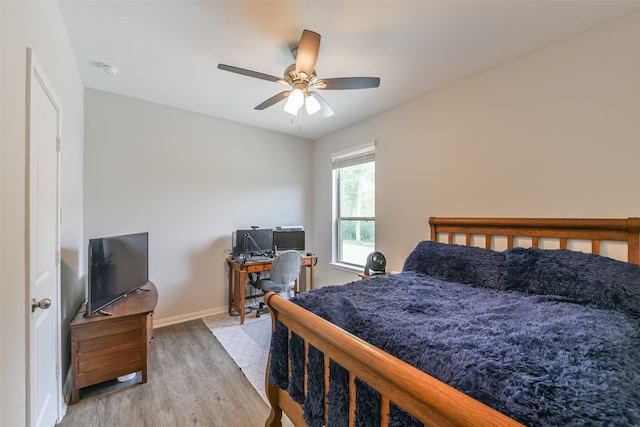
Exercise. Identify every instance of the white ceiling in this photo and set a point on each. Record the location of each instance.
(168, 51)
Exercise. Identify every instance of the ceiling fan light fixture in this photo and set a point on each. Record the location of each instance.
(291, 109)
(294, 102)
(312, 105)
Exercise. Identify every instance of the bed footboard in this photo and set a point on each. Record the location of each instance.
(424, 397)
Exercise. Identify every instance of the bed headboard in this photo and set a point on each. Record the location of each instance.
(595, 230)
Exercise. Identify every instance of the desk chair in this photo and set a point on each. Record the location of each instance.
(285, 270)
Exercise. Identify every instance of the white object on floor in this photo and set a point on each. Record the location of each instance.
(125, 378)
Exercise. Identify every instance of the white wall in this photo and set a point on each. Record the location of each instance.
(37, 25)
(552, 134)
(189, 180)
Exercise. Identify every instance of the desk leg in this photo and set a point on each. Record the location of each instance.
(302, 279)
(301, 283)
(236, 291)
(230, 279)
(243, 289)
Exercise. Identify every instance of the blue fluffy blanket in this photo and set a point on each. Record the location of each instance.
(541, 358)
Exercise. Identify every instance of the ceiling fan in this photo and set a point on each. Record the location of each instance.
(301, 78)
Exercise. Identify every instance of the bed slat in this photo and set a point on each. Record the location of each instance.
(327, 364)
(306, 368)
(352, 400)
(563, 243)
(384, 411)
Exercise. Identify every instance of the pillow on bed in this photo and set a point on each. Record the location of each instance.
(456, 263)
(583, 277)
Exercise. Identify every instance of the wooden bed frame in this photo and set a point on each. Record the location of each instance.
(426, 398)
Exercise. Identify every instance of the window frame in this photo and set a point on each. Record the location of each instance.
(352, 157)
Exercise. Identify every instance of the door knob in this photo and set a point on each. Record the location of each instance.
(43, 304)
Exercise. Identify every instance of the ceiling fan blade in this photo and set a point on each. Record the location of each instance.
(249, 73)
(273, 100)
(307, 54)
(349, 83)
(325, 109)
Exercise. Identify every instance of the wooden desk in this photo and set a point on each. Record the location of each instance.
(106, 347)
(238, 276)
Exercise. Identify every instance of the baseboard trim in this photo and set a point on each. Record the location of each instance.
(166, 321)
(66, 395)
(66, 386)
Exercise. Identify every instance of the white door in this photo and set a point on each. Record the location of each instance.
(44, 389)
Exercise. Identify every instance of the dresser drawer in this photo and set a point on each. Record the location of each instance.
(109, 371)
(107, 327)
(107, 342)
(114, 355)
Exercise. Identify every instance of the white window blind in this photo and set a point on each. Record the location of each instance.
(358, 157)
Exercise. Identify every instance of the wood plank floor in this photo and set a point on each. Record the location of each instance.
(191, 381)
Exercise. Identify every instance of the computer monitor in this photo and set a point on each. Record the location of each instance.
(254, 241)
(284, 240)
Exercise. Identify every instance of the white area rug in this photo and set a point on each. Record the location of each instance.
(248, 344)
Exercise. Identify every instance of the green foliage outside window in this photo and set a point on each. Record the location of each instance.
(367, 230)
(357, 190)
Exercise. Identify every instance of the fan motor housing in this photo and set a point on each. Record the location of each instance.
(294, 78)
(376, 264)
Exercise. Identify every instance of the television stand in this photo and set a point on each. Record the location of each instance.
(106, 347)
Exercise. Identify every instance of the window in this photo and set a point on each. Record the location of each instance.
(354, 205)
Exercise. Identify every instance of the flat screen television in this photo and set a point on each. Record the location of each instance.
(118, 265)
(285, 240)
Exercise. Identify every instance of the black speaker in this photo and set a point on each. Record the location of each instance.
(376, 263)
